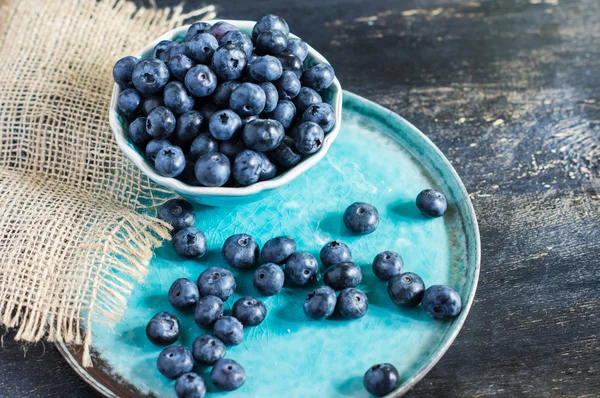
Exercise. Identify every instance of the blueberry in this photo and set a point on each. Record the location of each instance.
(129, 102)
(301, 268)
(441, 302)
(309, 138)
(203, 144)
(249, 311)
(335, 252)
(223, 92)
(213, 169)
(220, 28)
(190, 385)
(291, 62)
(224, 124)
(229, 330)
(240, 251)
(263, 134)
(284, 113)
(271, 42)
(381, 379)
(151, 102)
(247, 167)
(305, 98)
(188, 126)
(183, 293)
(239, 39)
(216, 281)
(201, 81)
(322, 114)
(150, 76)
(352, 303)
(174, 361)
(268, 170)
(188, 176)
(123, 70)
(177, 212)
(231, 148)
(206, 109)
(137, 131)
(271, 96)
(248, 119)
(197, 28)
(431, 203)
(268, 279)
(406, 289)
(298, 48)
(285, 154)
(202, 47)
(342, 276)
(229, 62)
(228, 375)
(153, 147)
(387, 264)
(361, 218)
(319, 77)
(179, 65)
(162, 51)
(161, 122)
(177, 98)
(190, 242)
(247, 99)
(180, 49)
(265, 69)
(270, 22)
(170, 161)
(163, 329)
(288, 85)
(278, 250)
(208, 310)
(207, 350)
(320, 303)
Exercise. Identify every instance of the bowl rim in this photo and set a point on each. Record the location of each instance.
(184, 189)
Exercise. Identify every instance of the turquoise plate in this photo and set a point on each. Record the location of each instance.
(378, 158)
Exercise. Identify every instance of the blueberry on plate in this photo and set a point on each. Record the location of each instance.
(229, 330)
(232, 147)
(441, 302)
(208, 310)
(431, 203)
(318, 77)
(129, 102)
(229, 62)
(343, 276)
(220, 28)
(174, 361)
(151, 102)
(190, 242)
(247, 167)
(387, 264)
(381, 379)
(212, 169)
(153, 147)
(228, 375)
(271, 96)
(284, 113)
(406, 289)
(190, 385)
(163, 329)
(352, 303)
(179, 65)
(247, 99)
(263, 134)
(249, 311)
(277, 250)
(137, 131)
(361, 218)
(162, 51)
(177, 99)
(224, 124)
(161, 122)
(201, 81)
(123, 70)
(309, 138)
(271, 42)
(335, 252)
(298, 48)
(240, 251)
(202, 47)
(170, 161)
(216, 281)
(265, 69)
(305, 98)
(188, 126)
(270, 22)
(183, 294)
(286, 154)
(203, 144)
(223, 92)
(197, 28)
(268, 169)
(177, 212)
(268, 279)
(207, 350)
(288, 85)
(238, 38)
(301, 268)
(291, 62)
(150, 76)
(320, 303)
(322, 114)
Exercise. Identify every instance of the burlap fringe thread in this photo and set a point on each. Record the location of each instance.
(72, 242)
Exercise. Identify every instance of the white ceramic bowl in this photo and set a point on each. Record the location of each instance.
(221, 196)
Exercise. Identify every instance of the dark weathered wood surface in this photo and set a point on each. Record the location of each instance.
(510, 91)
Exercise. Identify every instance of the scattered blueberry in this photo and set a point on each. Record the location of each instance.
(263, 134)
(441, 302)
(212, 169)
(207, 350)
(190, 242)
(228, 375)
(174, 361)
(361, 218)
(229, 62)
(162, 51)
(239, 39)
(179, 65)
(271, 42)
(188, 126)
(201, 81)
(298, 48)
(177, 212)
(137, 131)
(163, 329)
(220, 28)
(216, 281)
(301, 268)
(247, 167)
(240, 251)
(291, 62)
(208, 309)
(342, 276)
(249, 311)
(170, 161)
(305, 98)
(320, 303)
(319, 77)
(387, 264)
(224, 124)
(196, 28)
(352, 303)
(129, 102)
(265, 69)
(335, 252)
(406, 289)
(202, 47)
(284, 113)
(309, 138)
(322, 114)
(190, 385)
(229, 330)
(381, 379)
(151, 102)
(183, 293)
(285, 154)
(270, 22)
(247, 99)
(161, 122)
(268, 279)
(277, 250)
(271, 96)
(177, 99)
(288, 85)
(123, 70)
(203, 144)
(431, 203)
(153, 147)
(150, 76)
(223, 92)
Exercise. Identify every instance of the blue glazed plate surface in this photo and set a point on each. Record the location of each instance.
(378, 158)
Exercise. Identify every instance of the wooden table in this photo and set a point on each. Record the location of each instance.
(509, 90)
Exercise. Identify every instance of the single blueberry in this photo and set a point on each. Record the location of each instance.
(123, 70)
(229, 62)
(213, 169)
(223, 92)
(129, 102)
(174, 361)
(219, 29)
(298, 48)
(268, 169)
(206, 108)
(270, 22)
(441, 302)
(207, 350)
(318, 77)
(265, 69)
(305, 98)
(227, 375)
(249, 311)
(151, 102)
(284, 113)
(177, 212)
(361, 218)
(263, 134)
(431, 203)
(322, 114)
(203, 144)
(271, 96)
(387, 264)
(381, 379)
(150, 76)
(202, 47)
(268, 279)
(177, 99)
(352, 303)
(170, 161)
(161, 122)
(201, 81)
(163, 329)
(240, 251)
(216, 281)
(248, 119)
(247, 99)
(183, 293)
(285, 154)
(190, 242)
(335, 252)
(247, 167)
(180, 49)
(231, 148)
(224, 124)
(190, 385)
(137, 131)
(288, 85)
(271, 42)
(179, 65)
(301, 268)
(406, 289)
(188, 126)
(197, 28)
(320, 303)
(153, 147)
(342, 276)
(229, 330)
(208, 310)
(278, 250)
(309, 138)
(162, 51)
(291, 62)
(238, 38)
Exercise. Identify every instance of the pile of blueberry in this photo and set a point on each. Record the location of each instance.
(226, 108)
(216, 285)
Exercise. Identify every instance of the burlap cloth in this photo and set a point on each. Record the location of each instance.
(72, 239)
